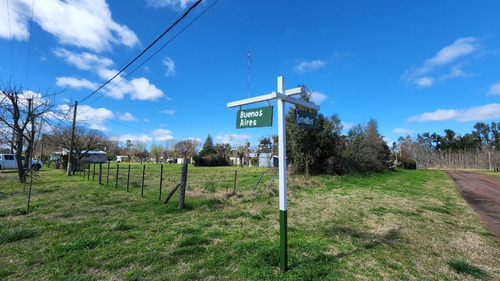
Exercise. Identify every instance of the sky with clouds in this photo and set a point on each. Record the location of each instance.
(414, 66)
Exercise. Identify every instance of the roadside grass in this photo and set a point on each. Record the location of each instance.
(402, 225)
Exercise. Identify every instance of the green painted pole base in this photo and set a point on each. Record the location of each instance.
(283, 241)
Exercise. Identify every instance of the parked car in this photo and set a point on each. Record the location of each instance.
(8, 161)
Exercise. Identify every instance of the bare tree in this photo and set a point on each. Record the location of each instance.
(85, 140)
(187, 148)
(20, 113)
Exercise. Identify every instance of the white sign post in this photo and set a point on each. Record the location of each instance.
(282, 96)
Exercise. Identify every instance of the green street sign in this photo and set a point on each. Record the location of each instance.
(305, 119)
(255, 117)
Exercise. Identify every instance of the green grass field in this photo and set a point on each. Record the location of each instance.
(403, 225)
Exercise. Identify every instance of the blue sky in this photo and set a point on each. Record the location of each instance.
(414, 66)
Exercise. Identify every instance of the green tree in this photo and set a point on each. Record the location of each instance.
(208, 147)
(366, 149)
(311, 149)
(156, 151)
(140, 151)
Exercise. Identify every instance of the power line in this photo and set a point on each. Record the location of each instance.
(156, 52)
(29, 41)
(10, 40)
(147, 48)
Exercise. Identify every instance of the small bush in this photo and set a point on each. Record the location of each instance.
(463, 267)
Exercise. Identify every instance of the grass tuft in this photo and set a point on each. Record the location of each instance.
(8, 236)
(464, 267)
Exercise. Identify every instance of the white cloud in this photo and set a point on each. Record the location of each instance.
(75, 83)
(95, 117)
(424, 81)
(449, 54)
(307, 66)
(461, 47)
(455, 72)
(133, 138)
(168, 111)
(173, 4)
(170, 66)
(84, 60)
(401, 131)
(232, 139)
(143, 90)
(137, 88)
(37, 99)
(127, 116)
(475, 113)
(146, 120)
(85, 23)
(494, 89)
(17, 27)
(162, 135)
(317, 97)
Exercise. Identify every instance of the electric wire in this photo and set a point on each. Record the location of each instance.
(144, 51)
(29, 42)
(156, 52)
(10, 40)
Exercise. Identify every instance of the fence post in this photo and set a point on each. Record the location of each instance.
(182, 192)
(234, 185)
(128, 176)
(116, 181)
(107, 176)
(161, 179)
(88, 173)
(100, 173)
(142, 183)
(93, 173)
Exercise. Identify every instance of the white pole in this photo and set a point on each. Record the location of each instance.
(282, 146)
(282, 176)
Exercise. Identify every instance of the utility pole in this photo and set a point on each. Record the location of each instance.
(69, 170)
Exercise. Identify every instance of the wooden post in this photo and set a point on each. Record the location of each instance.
(83, 171)
(161, 180)
(107, 176)
(142, 183)
(88, 172)
(258, 181)
(29, 191)
(116, 180)
(128, 176)
(100, 173)
(93, 173)
(182, 192)
(234, 184)
(172, 192)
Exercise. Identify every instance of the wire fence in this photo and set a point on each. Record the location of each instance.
(161, 178)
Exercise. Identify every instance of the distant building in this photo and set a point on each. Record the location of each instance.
(266, 159)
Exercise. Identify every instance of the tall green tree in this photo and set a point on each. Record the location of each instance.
(208, 147)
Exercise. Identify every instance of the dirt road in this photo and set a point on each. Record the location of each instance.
(482, 192)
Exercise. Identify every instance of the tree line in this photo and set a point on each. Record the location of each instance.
(479, 149)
